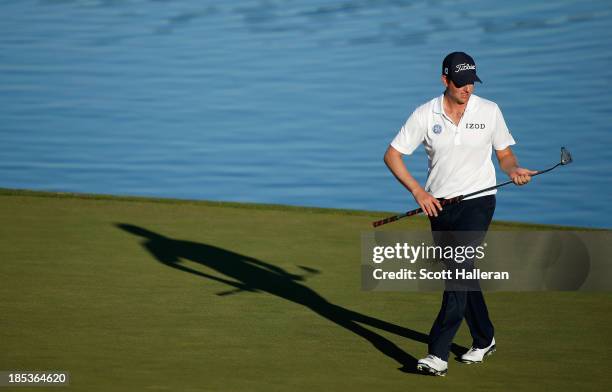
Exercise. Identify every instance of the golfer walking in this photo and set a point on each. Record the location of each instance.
(459, 131)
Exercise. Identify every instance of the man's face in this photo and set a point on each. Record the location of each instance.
(459, 95)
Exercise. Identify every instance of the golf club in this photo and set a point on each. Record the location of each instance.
(566, 158)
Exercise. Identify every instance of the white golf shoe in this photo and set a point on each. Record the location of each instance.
(477, 355)
(433, 365)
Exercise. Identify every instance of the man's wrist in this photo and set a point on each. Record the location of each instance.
(511, 171)
(418, 189)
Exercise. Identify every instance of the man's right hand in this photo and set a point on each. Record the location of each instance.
(429, 204)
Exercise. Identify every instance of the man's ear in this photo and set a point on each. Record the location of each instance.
(444, 80)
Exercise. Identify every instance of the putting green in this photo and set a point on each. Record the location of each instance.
(88, 286)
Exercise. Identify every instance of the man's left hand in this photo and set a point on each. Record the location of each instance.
(521, 176)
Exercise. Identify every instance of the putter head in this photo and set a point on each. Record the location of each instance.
(566, 157)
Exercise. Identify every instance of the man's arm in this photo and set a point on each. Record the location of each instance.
(429, 204)
(509, 164)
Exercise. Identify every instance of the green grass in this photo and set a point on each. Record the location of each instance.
(81, 294)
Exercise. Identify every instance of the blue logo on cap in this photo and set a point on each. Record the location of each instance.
(437, 129)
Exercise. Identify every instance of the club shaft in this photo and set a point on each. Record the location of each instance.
(488, 189)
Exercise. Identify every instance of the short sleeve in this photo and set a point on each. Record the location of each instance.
(501, 135)
(410, 136)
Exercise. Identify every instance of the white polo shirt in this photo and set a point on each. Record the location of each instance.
(459, 155)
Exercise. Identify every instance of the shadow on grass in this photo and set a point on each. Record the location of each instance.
(247, 274)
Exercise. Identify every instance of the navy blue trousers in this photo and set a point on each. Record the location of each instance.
(472, 215)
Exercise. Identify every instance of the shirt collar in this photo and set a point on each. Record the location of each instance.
(472, 104)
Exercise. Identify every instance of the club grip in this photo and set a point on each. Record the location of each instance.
(385, 221)
(443, 202)
(456, 199)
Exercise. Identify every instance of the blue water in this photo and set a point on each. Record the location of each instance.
(295, 102)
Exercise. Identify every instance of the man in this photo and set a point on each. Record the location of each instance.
(459, 131)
